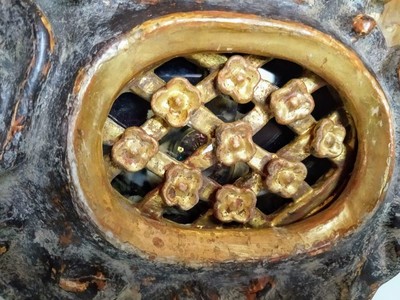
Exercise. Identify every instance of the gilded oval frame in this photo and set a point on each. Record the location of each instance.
(160, 39)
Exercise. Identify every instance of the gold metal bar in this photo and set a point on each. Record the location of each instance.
(257, 61)
(160, 162)
(304, 205)
(297, 150)
(146, 85)
(205, 121)
(259, 219)
(251, 181)
(259, 159)
(207, 88)
(302, 126)
(312, 81)
(303, 190)
(340, 116)
(111, 169)
(207, 60)
(156, 127)
(202, 158)
(261, 92)
(111, 132)
(254, 182)
(152, 205)
(209, 187)
(257, 118)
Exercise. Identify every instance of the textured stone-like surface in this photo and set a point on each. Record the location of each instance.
(24, 51)
(45, 246)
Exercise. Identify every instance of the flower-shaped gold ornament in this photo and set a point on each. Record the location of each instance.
(234, 204)
(292, 102)
(176, 101)
(181, 187)
(284, 177)
(134, 149)
(328, 139)
(234, 143)
(238, 79)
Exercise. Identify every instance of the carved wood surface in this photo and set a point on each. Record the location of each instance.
(26, 45)
(48, 251)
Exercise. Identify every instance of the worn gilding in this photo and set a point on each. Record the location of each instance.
(159, 40)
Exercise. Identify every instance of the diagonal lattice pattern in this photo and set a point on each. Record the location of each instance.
(179, 103)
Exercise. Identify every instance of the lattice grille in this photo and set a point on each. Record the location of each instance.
(187, 185)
